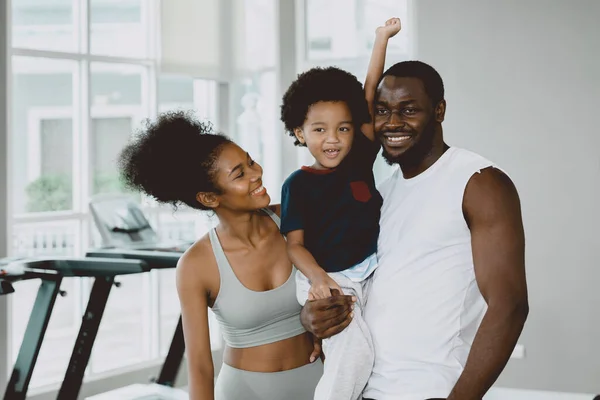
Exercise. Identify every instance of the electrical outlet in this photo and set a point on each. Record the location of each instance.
(518, 352)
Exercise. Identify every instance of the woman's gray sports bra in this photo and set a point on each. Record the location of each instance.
(249, 318)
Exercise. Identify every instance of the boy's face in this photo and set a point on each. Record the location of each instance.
(328, 132)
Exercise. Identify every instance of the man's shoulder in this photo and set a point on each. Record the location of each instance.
(462, 155)
(464, 163)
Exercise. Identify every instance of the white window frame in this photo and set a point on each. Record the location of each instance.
(285, 70)
(82, 116)
(37, 115)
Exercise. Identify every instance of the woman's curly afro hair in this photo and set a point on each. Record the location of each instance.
(172, 159)
(322, 84)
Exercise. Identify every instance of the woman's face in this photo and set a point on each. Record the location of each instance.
(240, 180)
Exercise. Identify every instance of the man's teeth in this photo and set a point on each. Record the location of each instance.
(397, 139)
(257, 190)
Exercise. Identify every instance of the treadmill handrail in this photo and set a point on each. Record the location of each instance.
(155, 259)
(6, 287)
(72, 267)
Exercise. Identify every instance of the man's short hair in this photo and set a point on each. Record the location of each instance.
(434, 86)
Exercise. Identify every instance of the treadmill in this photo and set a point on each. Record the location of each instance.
(126, 234)
(50, 271)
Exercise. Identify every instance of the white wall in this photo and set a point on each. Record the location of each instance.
(523, 89)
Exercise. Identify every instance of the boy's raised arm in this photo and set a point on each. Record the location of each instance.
(376, 64)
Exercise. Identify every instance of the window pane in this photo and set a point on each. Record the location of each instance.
(256, 107)
(47, 239)
(259, 39)
(185, 93)
(44, 25)
(125, 331)
(119, 28)
(116, 111)
(175, 93)
(42, 134)
(339, 29)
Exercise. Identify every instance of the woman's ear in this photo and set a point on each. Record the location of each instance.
(207, 199)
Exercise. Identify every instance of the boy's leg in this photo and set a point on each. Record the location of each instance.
(349, 355)
(302, 288)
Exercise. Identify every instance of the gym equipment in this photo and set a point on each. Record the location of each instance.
(122, 224)
(127, 235)
(51, 271)
(6, 287)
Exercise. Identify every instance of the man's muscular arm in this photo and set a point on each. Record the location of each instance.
(493, 212)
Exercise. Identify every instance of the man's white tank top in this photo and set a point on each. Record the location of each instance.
(424, 306)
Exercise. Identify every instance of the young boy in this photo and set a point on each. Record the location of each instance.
(330, 211)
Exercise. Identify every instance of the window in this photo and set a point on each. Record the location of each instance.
(117, 109)
(42, 125)
(256, 103)
(75, 104)
(120, 28)
(339, 29)
(44, 25)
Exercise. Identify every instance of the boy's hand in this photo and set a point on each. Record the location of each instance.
(389, 30)
(321, 285)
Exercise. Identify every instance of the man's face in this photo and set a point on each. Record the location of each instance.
(405, 119)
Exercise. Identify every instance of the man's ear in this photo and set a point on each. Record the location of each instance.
(207, 199)
(299, 135)
(440, 111)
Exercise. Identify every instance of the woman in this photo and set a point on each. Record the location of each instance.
(240, 269)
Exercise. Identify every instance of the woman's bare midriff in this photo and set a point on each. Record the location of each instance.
(273, 357)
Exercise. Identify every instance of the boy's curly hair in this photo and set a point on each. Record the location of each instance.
(322, 84)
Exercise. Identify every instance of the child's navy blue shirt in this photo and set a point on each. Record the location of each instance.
(338, 209)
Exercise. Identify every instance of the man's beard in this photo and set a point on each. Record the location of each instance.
(416, 153)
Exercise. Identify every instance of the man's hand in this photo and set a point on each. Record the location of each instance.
(327, 317)
(391, 27)
(317, 351)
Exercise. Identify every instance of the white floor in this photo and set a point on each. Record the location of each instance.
(521, 394)
(157, 392)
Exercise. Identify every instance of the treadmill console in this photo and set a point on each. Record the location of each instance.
(122, 224)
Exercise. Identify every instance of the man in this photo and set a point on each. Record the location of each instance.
(449, 298)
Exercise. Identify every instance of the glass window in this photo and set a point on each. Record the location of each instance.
(119, 28)
(44, 25)
(258, 39)
(185, 93)
(339, 29)
(117, 109)
(42, 122)
(62, 153)
(255, 107)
